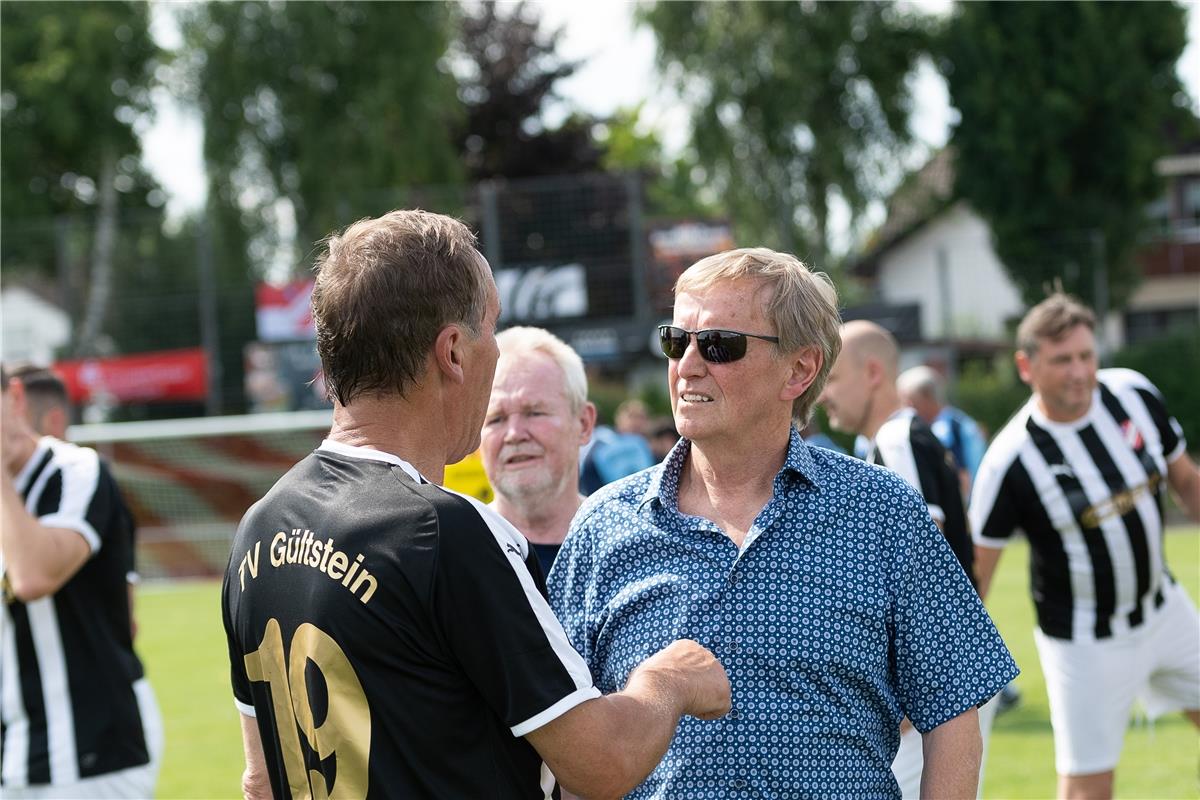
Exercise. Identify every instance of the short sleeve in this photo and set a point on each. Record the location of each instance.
(994, 512)
(948, 656)
(1169, 430)
(497, 623)
(81, 496)
(242, 696)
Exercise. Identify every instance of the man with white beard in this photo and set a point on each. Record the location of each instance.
(537, 419)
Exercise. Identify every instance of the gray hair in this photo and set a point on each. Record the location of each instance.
(523, 340)
(923, 380)
(803, 306)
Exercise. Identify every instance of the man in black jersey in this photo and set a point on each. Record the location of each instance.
(1080, 470)
(861, 397)
(77, 717)
(386, 636)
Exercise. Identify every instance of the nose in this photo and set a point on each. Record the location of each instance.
(691, 363)
(515, 429)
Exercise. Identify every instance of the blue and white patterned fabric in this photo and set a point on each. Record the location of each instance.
(843, 612)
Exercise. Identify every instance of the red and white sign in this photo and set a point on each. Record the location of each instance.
(284, 312)
(165, 375)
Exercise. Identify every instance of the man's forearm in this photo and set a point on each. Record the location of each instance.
(952, 754)
(986, 559)
(608, 745)
(256, 783)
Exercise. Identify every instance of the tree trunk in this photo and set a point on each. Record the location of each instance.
(101, 271)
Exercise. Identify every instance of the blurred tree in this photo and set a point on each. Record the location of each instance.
(510, 65)
(1064, 109)
(795, 103)
(74, 79)
(671, 187)
(326, 106)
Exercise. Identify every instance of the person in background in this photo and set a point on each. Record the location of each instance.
(1080, 470)
(46, 398)
(632, 417)
(663, 437)
(537, 418)
(77, 716)
(48, 411)
(821, 581)
(614, 453)
(860, 397)
(924, 390)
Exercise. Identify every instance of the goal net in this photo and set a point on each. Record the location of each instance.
(188, 482)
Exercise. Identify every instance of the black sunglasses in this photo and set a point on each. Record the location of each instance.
(716, 346)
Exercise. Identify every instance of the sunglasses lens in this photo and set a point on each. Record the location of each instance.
(721, 347)
(674, 341)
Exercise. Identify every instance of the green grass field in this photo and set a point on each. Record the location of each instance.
(183, 645)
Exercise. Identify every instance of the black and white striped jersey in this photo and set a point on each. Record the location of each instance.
(67, 666)
(1087, 495)
(391, 637)
(905, 445)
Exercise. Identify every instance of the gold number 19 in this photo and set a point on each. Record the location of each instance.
(346, 730)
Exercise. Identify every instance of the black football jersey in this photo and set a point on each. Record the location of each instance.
(390, 637)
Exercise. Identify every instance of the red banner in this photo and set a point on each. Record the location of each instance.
(174, 375)
(284, 312)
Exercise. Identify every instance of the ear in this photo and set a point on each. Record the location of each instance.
(448, 353)
(587, 422)
(874, 371)
(805, 366)
(1024, 366)
(20, 402)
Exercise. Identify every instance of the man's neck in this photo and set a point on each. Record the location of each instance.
(16, 460)
(543, 520)
(1062, 418)
(883, 406)
(729, 469)
(414, 428)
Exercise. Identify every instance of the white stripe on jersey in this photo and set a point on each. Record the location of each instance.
(1134, 474)
(15, 758)
(56, 690)
(1116, 538)
(1079, 561)
(80, 470)
(505, 535)
(81, 476)
(893, 442)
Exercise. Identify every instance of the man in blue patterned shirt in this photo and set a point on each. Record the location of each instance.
(820, 581)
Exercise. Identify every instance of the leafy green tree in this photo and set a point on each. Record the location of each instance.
(510, 67)
(670, 186)
(795, 103)
(1064, 109)
(325, 105)
(75, 78)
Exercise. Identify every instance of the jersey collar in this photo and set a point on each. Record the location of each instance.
(351, 451)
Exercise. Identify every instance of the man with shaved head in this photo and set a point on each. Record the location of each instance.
(860, 397)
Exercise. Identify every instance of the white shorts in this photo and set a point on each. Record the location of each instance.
(134, 782)
(910, 758)
(1092, 685)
